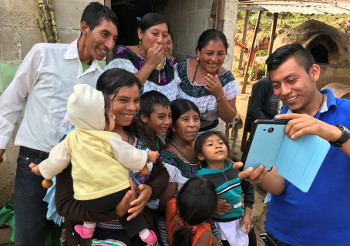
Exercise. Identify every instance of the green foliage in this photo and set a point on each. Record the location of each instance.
(261, 53)
(253, 19)
(260, 72)
(285, 21)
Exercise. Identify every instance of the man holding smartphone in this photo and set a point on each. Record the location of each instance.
(320, 216)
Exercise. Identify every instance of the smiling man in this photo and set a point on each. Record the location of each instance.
(320, 216)
(43, 82)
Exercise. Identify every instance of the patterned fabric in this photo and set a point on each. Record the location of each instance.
(205, 102)
(107, 242)
(142, 146)
(111, 225)
(164, 80)
(187, 170)
(162, 230)
(179, 170)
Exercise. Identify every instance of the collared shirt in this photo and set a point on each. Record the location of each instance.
(44, 81)
(320, 216)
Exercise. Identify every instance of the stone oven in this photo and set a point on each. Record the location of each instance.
(329, 46)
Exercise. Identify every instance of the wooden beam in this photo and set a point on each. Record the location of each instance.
(243, 38)
(251, 8)
(109, 56)
(108, 3)
(272, 35)
(273, 32)
(214, 13)
(250, 54)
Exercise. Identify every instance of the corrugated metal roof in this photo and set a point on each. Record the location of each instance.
(307, 8)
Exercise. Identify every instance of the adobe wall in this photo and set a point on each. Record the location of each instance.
(336, 42)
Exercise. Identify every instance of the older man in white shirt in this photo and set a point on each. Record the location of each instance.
(43, 82)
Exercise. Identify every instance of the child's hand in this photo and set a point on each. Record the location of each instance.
(153, 156)
(222, 207)
(35, 169)
(144, 171)
(246, 222)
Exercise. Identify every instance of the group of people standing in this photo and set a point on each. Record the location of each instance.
(162, 106)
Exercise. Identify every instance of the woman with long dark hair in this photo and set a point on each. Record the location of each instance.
(206, 83)
(123, 89)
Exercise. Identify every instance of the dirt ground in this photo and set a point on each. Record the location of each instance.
(259, 209)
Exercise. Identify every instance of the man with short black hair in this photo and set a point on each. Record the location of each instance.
(43, 82)
(320, 216)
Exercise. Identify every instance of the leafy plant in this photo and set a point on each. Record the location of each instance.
(260, 73)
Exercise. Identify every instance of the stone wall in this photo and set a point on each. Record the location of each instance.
(19, 32)
(188, 19)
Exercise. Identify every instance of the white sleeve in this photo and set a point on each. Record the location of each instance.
(123, 64)
(127, 155)
(58, 160)
(175, 175)
(16, 94)
(231, 90)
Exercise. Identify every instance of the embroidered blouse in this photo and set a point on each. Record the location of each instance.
(196, 93)
(164, 80)
(179, 170)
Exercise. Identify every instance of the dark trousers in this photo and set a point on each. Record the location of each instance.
(276, 242)
(30, 209)
(107, 203)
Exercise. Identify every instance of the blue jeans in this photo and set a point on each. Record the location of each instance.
(30, 209)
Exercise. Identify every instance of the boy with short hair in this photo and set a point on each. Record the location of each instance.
(156, 118)
(155, 113)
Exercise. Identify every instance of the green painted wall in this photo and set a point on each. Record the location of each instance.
(7, 72)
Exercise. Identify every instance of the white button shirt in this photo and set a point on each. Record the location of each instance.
(44, 81)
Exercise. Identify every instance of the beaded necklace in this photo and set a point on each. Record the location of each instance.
(195, 72)
(158, 67)
(192, 160)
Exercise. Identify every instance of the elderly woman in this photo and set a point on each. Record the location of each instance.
(206, 83)
(179, 156)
